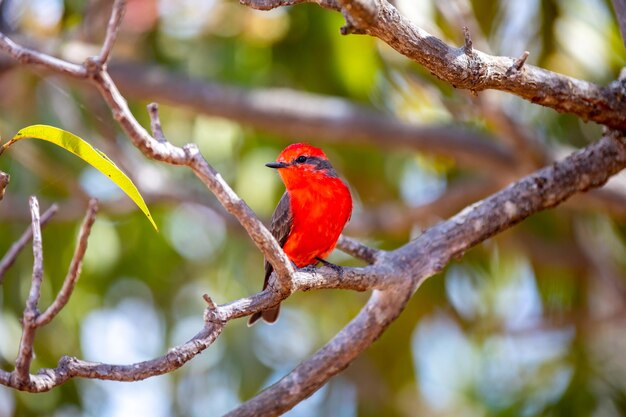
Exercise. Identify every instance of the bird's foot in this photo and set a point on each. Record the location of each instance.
(336, 268)
(309, 269)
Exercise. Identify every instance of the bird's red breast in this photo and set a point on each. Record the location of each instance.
(320, 212)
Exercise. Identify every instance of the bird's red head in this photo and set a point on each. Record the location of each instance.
(299, 164)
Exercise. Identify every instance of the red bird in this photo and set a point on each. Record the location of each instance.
(311, 213)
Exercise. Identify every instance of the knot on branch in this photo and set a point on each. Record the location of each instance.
(94, 66)
(359, 15)
(467, 47)
(473, 63)
(518, 64)
(66, 363)
(191, 151)
(211, 314)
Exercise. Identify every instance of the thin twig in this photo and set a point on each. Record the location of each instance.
(25, 352)
(355, 248)
(9, 258)
(155, 122)
(74, 270)
(30, 57)
(620, 11)
(117, 13)
(518, 64)
(467, 47)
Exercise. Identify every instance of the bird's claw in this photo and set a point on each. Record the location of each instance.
(336, 268)
(310, 269)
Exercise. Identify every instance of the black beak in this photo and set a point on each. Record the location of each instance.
(276, 165)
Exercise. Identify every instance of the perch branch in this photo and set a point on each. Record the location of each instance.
(427, 255)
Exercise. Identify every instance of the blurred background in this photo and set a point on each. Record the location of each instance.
(529, 323)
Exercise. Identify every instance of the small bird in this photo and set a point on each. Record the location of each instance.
(311, 214)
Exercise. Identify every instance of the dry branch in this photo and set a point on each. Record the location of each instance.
(9, 258)
(410, 265)
(477, 71)
(20, 376)
(47, 379)
(74, 270)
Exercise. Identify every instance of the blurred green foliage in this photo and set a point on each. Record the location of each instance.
(526, 324)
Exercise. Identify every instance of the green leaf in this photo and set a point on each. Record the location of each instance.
(87, 153)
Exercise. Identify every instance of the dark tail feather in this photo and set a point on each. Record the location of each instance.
(269, 316)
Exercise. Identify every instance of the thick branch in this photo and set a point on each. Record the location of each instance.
(381, 309)
(477, 71)
(420, 259)
(587, 168)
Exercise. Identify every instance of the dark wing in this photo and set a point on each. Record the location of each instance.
(280, 226)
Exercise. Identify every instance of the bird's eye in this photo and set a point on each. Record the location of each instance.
(301, 159)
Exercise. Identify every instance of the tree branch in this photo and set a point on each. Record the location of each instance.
(117, 13)
(427, 255)
(28, 56)
(381, 309)
(11, 255)
(74, 271)
(358, 250)
(478, 71)
(70, 367)
(20, 376)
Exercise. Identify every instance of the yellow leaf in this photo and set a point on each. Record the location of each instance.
(86, 152)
